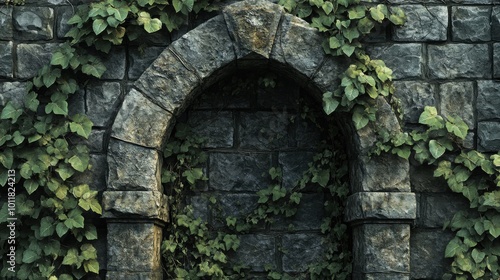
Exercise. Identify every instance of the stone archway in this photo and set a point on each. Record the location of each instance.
(249, 34)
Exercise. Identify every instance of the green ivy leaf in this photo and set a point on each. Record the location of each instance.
(47, 226)
(58, 108)
(71, 257)
(321, 177)
(11, 112)
(436, 149)
(348, 49)
(61, 229)
(359, 117)
(81, 125)
(330, 103)
(30, 256)
(31, 186)
(91, 266)
(7, 158)
(458, 128)
(377, 13)
(431, 118)
(454, 247)
(99, 25)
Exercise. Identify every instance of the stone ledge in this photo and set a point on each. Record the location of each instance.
(135, 204)
(381, 206)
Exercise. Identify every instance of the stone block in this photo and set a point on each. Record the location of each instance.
(132, 167)
(252, 25)
(437, 209)
(33, 23)
(471, 23)
(459, 61)
(12, 91)
(427, 254)
(200, 206)
(95, 177)
(381, 206)
(423, 180)
(63, 15)
(310, 214)
(142, 122)
(488, 136)
(76, 103)
(134, 248)
(264, 130)
(301, 250)
(140, 60)
(115, 63)
(169, 88)
(488, 100)
(216, 127)
(6, 59)
(122, 275)
(327, 76)
(255, 252)
(380, 174)
(404, 59)
(6, 23)
(495, 23)
(207, 48)
(233, 205)
(424, 23)
(239, 171)
(135, 205)
(457, 99)
(307, 134)
(293, 166)
(496, 60)
(102, 101)
(96, 140)
(414, 96)
(32, 57)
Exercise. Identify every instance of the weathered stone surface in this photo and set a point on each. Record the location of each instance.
(495, 23)
(169, 87)
(424, 23)
(380, 173)
(488, 136)
(122, 275)
(381, 248)
(496, 60)
(115, 63)
(381, 205)
(264, 130)
(102, 99)
(404, 59)
(233, 205)
(96, 176)
(327, 77)
(6, 59)
(140, 121)
(95, 141)
(293, 165)
(139, 61)
(307, 134)
(132, 167)
(76, 103)
(457, 99)
(427, 254)
(216, 127)
(301, 250)
(32, 57)
(239, 171)
(12, 91)
(135, 204)
(471, 23)
(256, 251)
(206, 48)
(33, 23)
(200, 206)
(134, 248)
(414, 96)
(63, 15)
(51, 2)
(423, 180)
(6, 23)
(488, 100)
(310, 214)
(436, 209)
(252, 25)
(459, 61)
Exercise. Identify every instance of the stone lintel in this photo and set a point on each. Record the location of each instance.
(135, 204)
(381, 206)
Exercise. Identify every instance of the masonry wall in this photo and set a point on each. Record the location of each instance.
(447, 55)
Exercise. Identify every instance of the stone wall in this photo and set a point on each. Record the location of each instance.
(447, 55)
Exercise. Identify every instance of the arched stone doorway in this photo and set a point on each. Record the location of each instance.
(249, 35)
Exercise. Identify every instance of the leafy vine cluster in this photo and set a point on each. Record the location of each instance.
(41, 140)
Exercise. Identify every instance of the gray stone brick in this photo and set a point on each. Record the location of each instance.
(95, 141)
(488, 136)
(496, 60)
(12, 91)
(76, 102)
(63, 15)
(471, 23)
(264, 130)
(239, 171)
(427, 254)
(115, 64)
(95, 177)
(488, 100)
(6, 23)
(140, 60)
(414, 96)
(459, 61)
(32, 57)
(293, 166)
(380, 206)
(301, 250)
(457, 99)
(495, 23)
(6, 59)
(216, 127)
(424, 23)
(33, 23)
(256, 251)
(233, 205)
(404, 59)
(102, 100)
(310, 214)
(437, 209)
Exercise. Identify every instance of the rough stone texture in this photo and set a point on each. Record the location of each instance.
(470, 23)
(233, 205)
(300, 250)
(33, 23)
(12, 91)
(95, 141)
(256, 251)
(436, 209)
(457, 99)
(32, 57)
(6, 62)
(488, 100)
(293, 165)
(134, 248)
(414, 96)
(495, 23)
(135, 204)
(239, 172)
(140, 121)
(488, 136)
(102, 98)
(122, 275)
(96, 176)
(309, 214)
(63, 15)
(426, 247)
(424, 23)
(496, 60)
(139, 61)
(404, 59)
(132, 167)
(264, 130)
(381, 205)
(459, 61)
(327, 76)
(6, 23)
(216, 127)
(423, 180)
(76, 103)
(115, 63)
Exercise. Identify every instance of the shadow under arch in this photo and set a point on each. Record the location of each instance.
(250, 34)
